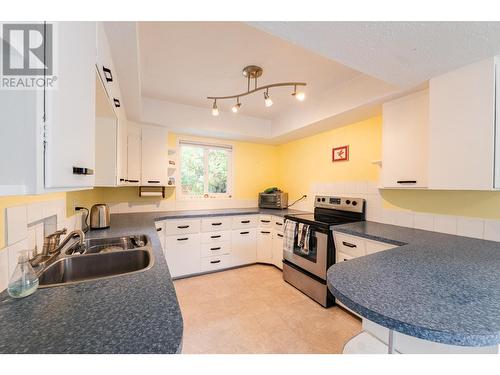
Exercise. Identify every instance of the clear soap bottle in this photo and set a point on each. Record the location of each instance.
(23, 281)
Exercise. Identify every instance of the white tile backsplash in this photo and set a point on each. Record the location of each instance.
(423, 221)
(17, 223)
(492, 230)
(445, 224)
(470, 227)
(35, 212)
(4, 269)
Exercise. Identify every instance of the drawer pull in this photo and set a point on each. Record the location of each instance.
(348, 244)
(215, 248)
(407, 182)
(83, 171)
(264, 232)
(245, 221)
(153, 182)
(107, 74)
(215, 261)
(133, 180)
(158, 229)
(280, 235)
(279, 223)
(183, 239)
(265, 221)
(216, 224)
(182, 226)
(244, 232)
(217, 236)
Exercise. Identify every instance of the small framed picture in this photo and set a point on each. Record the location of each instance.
(340, 153)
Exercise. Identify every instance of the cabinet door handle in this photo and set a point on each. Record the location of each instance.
(264, 232)
(407, 181)
(122, 179)
(215, 261)
(216, 224)
(215, 248)
(182, 226)
(107, 74)
(158, 229)
(218, 236)
(83, 171)
(244, 232)
(278, 223)
(117, 103)
(133, 180)
(280, 235)
(245, 221)
(265, 221)
(348, 244)
(153, 182)
(183, 239)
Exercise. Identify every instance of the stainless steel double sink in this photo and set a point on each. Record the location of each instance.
(99, 259)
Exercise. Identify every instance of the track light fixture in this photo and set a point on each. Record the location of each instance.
(215, 110)
(300, 96)
(254, 72)
(267, 100)
(237, 106)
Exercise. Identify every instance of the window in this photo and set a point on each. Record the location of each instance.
(205, 170)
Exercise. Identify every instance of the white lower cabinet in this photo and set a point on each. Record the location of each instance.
(265, 246)
(183, 254)
(277, 258)
(206, 244)
(244, 246)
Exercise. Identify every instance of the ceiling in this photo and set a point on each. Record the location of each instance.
(400, 53)
(184, 62)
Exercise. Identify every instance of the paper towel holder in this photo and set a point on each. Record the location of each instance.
(152, 191)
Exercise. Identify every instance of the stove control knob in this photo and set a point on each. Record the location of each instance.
(354, 203)
(348, 202)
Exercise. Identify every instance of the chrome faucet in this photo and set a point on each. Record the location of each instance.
(52, 246)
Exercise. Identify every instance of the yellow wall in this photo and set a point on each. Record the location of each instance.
(309, 160)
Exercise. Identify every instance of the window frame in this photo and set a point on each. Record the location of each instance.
(206, 146)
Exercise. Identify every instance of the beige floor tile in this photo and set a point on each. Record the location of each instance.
(252, 310)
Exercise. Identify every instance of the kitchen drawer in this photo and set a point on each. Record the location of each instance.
(213, 249)
(245, 221)
(349, 245)
(341, 257)
(215, 263)
(210, 224)
(278, 223)
(215, 237)
(265, 221)
(184, 226)
(373, 247)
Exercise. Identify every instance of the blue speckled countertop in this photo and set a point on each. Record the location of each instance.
(434, 286)
(136, 313)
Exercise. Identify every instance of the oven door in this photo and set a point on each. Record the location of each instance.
(315, 260)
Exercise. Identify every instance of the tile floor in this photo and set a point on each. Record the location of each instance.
(252, 310)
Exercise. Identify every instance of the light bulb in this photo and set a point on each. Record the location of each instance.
(236, 107)
(215, 110)
(267, 100)
(300, 96)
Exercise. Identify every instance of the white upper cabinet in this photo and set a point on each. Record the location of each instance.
(106, 133)
(405, 134)
(107, 73)
(70, 108)
(154, 160)
(47, 136)
(133, 155)
(462, 128)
